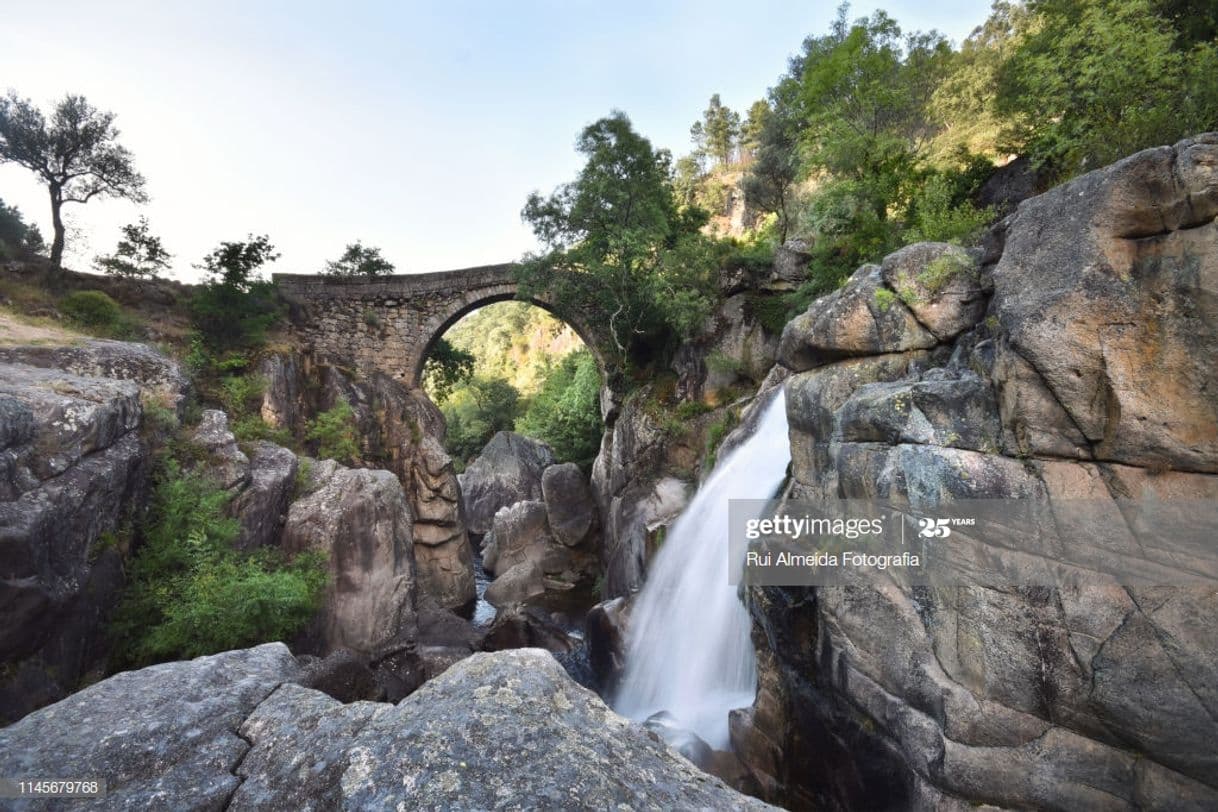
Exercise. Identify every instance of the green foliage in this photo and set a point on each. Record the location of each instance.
(233, 309)
(689, 409)
(771, 311)
(723, 363)
(513, 340)
(97, 313)
(446, 367)
(715, 433)
(769, 185)
(613, 237)
(17, 237)
(90, 308)
(566, 412)
(76, 154)
(939, 214)
(717, 133)
(138, 254)
(942, 270)
(335, 433)
(476, 411)
(359, 260)
(884, 299)
(304, 478)
(1094, 80)
(190, 593)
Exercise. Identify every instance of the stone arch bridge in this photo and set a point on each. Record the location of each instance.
(390, 323)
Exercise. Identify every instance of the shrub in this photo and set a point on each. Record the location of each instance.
(334, 431)
(566, 412)
(884, 299)
(715, 434)
(724, 364)
(190, 593)
(91, 308)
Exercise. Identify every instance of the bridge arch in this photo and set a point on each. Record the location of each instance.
(389, 324)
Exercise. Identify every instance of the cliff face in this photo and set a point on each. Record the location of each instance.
(402, 431)
(1072, 358)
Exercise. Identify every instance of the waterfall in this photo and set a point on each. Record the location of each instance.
(688, 647)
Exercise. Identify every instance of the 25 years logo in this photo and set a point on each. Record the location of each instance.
(933, 528)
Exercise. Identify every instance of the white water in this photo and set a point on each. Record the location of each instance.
(689, 651)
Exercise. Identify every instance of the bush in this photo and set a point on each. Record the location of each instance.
(334, 431)
(190, 593)
(230, 318)
(96, 312)
(566, 413)
(474, 412)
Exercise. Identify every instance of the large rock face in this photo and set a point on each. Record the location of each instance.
(164, 737)
(72, 464)
(506, 472)
(359, 520)
(495, 731)
(402, 431)
(1092, 376)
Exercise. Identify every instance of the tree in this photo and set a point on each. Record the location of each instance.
(769, 185)
(446, 367)
(359, 260)
(607, 237)
(76, 154)
(963, 103)
(753, 127)
(18, 237)
(566, 413)
(139, 253)
(716, 133)
(1095, 80)
(233, 308)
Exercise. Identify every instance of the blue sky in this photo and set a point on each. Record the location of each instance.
(419, 128)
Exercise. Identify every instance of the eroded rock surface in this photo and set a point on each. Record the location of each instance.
(507, 471)
(400, 430)
(72, 465)
(504, 730)
(359, 520)
(163, 737)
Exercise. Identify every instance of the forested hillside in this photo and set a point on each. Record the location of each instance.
(521, 369)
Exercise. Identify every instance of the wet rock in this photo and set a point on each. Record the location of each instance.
(570, 508)
(508, 471)
(605, 629)
(526, 627)
(359, 520)
(685, 742)
(262, 505)
(161, 737)
(495, 730)
(225, 462)
(516, 585)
